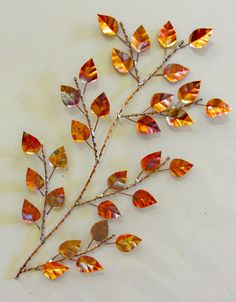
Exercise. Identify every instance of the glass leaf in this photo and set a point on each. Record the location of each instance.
(108, 25)
(117, 180)
(127, 242)
(88, 72)
(161, 101)
(53, 270)
(87, 264)
(121, 61)
(79, 131)
(147, 125)
(179, 167)
(177, 117)
(100, 106)
(140, 40)
(151, 162)
(143, 199)
(34, 181)
(70, 248)
(216, 107)
(30, 213)
(200, 37)
(175, 72)
(30, 144)
(167, 35)
(70, 96)
(56, 198)
(100, 230)
(58, 158)
(188, 92)
(108, 210)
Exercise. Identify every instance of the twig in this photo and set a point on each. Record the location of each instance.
(96, 124)
(53, 170)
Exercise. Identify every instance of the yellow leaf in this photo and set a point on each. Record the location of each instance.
(53, 270)
(200, 37)
(161, 101)
(127, 242)
(56, 198)
(167, 35)
(121, 61)
(179, 167)
(87, 264)
(177, 117)
(216, 107)
(188, 92)
(34, 181)
(79, 131)
(175, 72)
(58, 158)
(140, 40)
(100, 106)
(108, 25)
(147, 125)
(88, 72)
(70, 248)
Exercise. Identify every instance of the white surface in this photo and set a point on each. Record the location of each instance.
(188, 249)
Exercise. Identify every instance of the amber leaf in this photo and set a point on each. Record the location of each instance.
(117, 180)
(88, 72)
(179, 167)
(216, 107)
(140, 40)
(143, 199)
(189, 92)
(167, 35)
(200, 37)
(108, 25)
(147, 125)
(70, 96)
(161, 101)
(79, 131)
(127, 242)
(100, 106)
(99, 230)
(121, 61)
(70, 248)
(177, 117)
(58, 158)
(151, 162)
(108, 210)
(30, 144)
(175, 72)
(34, 181)
(29, 212)
(87, 264)
(56, 198)
(53, 270)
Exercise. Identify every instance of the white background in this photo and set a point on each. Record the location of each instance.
(188, 249)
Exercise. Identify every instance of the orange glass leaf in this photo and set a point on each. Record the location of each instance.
(30, 213)
(127, 242)
(79, 131)
(100, 106)
(58, 158)
(30, 144)
(161, 101)
(216, 107)
(121, 61)
(179, 167)
(167, 35)
(200, 37)
(87, 264)
(88, 72)
(70, 96)
(70, 248)
(56, 198)
(188, 92)
(147, 125)
(175, 72)
(151, 162)
(34, 181)
(143, 199)
(53, 270)
(108, 210)
(140, 40)
(100, 230)
(108, 25)
(117, 180)
(177, 117)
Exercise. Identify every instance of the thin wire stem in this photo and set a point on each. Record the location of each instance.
(96, 124)
(53, 170)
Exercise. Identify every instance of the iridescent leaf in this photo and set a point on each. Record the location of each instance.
(167, 35)
(70, 248)
(143, 199)
(175, 72)
(53, 270)
(161, 101)
(108, 210)
(99, 230)
(79, 131)
(216, 107)
(117, 180)
(147, 125)
(58, 158)
(87, 264)
(30, 144)
(127, 242)
(70, 96)
(100, 106)
(177, 117)
(56, 198)
(200, 37)
(179, 167)
(151, 162)
(34, 181)
(188, 92)
(88, 72)
(121, 61)
(140, 40)
(29, 212)
(108, 25)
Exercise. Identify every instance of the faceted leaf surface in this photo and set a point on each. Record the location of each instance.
(175, 72)
(53, 270)
(56, 198)
(177, 117)
(151, 162)
(117, 180)
(147, 125)
(70, 96)
(200, 37)
(88, 72)
(99, 230)
(143, 199)
(216, 107)
(121, 61)
(58, 158)
(108, 210)
(79, 131)
(140, 40)
(167, 35)
(100, 106)
(29, 212)
(87, 264)
(188, 92)
(70, 248)
(34, 181)
(30, 144)
(161, 101)
(179, 167)
(108, 25)
(127, 242)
